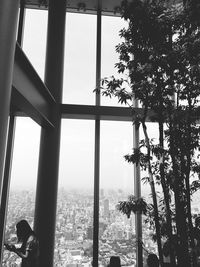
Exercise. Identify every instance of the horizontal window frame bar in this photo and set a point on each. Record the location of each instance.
(92, 112)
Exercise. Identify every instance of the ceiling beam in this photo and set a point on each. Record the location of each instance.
(29, 94)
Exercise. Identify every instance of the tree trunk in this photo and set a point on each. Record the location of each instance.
(187, 183)
(165, 192)
(153, 191)
(181, 225)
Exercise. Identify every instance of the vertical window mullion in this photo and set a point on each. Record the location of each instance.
(97, 144)
(20, 32)
(137, 193)
(7, 176)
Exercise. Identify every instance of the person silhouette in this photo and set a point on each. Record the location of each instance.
(115, 261)
(196, 234)
(29, 250)
(152, 260)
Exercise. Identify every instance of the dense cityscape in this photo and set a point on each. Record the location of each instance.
(74, 228)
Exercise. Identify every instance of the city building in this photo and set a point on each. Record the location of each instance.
(106, 208)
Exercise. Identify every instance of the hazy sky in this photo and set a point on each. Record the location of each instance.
(77, 138)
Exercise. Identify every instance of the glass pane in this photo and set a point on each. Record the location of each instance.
(110, 38)
(116, 231)
(80, 59)
(34, 43)
(74, 242)
(21, 202)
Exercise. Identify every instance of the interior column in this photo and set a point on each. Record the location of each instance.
(47, 184)
(8, 27)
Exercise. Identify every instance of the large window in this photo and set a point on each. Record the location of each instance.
(80, 55)
(111, 27)
(74, 222)
(75, 203)
(21, 202)
(116, 232)
(75, 196)
(34, 43)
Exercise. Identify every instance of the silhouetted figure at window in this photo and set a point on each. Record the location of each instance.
(152, 260)
(196, 233)
(168, 262)
(114, 261)
(29, 250)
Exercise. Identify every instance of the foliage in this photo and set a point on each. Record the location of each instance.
(160, 60)
(133, 205)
